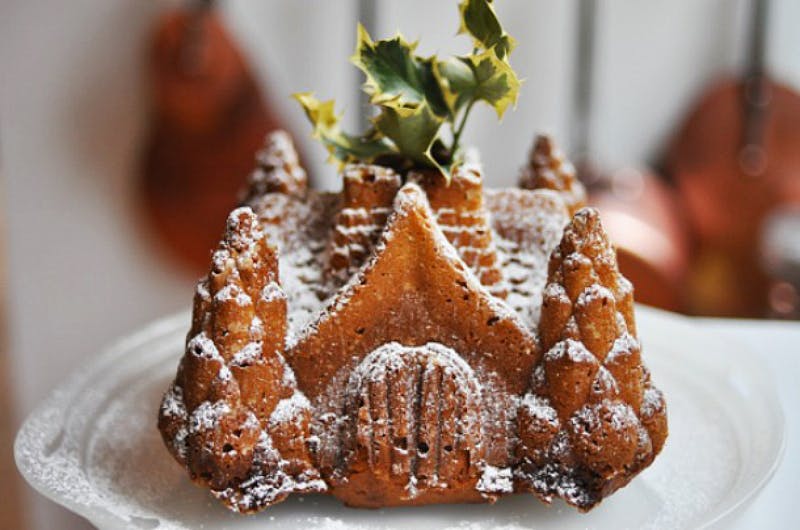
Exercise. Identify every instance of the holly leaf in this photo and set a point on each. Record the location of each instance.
(479, 20)
(495, 82)
(342, 147)
(434, 94)
(413, 130)
(394, 75)
(457, 81)
(417, 96)
(483, 77)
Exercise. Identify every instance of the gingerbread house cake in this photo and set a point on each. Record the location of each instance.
(409, 341)
(414, 338)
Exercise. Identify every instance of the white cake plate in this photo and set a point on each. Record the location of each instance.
(93, 447)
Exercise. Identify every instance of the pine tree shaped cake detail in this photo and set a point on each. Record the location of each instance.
(549, 169)
(278, 169)
(592, 417)
(233, 416)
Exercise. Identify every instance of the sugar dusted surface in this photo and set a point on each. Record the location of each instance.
(304, 233)
(94, 446)
(571, 349)
(524, 259)
(540, 409)
(305, 317)
(496, 480)
(301, 238)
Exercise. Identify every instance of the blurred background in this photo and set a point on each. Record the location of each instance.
(126, 128)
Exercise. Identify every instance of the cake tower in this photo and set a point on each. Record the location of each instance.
(548, 169)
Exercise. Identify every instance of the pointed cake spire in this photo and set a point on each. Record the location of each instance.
(463, 218)
(278, 169)
(219, 417)
(367, 198)
(592, 418)
(549, 169)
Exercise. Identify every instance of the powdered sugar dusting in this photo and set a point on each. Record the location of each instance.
(202, 346)
(232, 292)
(300, 230)
(410, 197)
(262, 489)
(172, 405)
(291, 409)
(527, 226)
(248, 355)
(592, 293)
(539, 408)
(496, 480)
(271, 292)
(570, 349)
(652, 401)
(620, 415)
(622, 346)
(207, 416)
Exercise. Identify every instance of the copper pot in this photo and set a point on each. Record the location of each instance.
(208, 120)
(645, 221)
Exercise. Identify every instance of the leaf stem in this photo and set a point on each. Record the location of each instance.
(460, 129)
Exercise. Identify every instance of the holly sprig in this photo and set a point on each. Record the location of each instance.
(422, 102)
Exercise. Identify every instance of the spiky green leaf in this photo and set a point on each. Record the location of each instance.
(412, 129)
(394, 74)
(417, 96)
(482, 77)
(479, 19)
(342, 147)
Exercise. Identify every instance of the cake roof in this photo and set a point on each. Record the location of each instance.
(414, 289)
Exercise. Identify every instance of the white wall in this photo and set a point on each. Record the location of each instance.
(73, 111)
(652, 59)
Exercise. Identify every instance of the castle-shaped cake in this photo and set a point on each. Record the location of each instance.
(410, 341)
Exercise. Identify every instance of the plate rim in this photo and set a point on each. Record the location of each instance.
(71, 388)
(770, 396)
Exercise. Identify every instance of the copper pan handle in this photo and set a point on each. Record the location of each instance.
(753, 158)
(580, 129)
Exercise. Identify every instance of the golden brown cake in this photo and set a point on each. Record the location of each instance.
(547, 168)
(414, 338)
(410, 341)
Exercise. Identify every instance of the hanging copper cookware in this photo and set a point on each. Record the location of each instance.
(735, 159)
(208, 120)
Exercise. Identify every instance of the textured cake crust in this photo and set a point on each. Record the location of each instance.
(548, 169)
(415, 343)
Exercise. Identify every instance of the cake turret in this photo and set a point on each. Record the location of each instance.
(584, 427)
(278, 169)
(233, 415)
(367, 198)
(549, 169)
(462, 216)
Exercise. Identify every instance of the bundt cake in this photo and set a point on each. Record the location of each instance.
(415, 338)
(411, 343)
